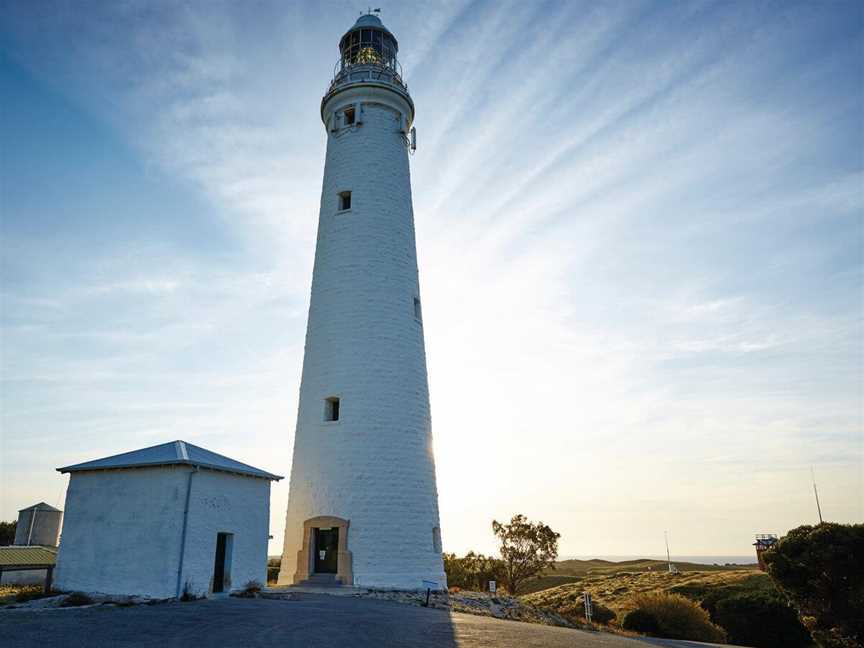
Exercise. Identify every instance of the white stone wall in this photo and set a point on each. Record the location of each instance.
(225, 503)
(375, 466)
(122, 530)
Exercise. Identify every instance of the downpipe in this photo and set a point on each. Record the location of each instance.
(183, 532)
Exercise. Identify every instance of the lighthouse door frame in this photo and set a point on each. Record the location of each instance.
(306, 558)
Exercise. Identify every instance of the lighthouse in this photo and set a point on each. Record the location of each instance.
(363, 502)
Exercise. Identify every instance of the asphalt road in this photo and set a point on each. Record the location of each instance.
(306, 622)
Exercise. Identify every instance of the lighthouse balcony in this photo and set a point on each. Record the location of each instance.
(345, 75)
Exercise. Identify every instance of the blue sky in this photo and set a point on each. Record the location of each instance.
(640, 241)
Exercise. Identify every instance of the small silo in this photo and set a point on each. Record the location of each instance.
(38, 525)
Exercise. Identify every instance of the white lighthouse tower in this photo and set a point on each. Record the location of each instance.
(363, 504)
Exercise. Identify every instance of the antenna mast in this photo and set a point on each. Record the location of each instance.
(668, 557)
(816, 493)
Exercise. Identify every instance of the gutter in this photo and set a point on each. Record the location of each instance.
(183, 532)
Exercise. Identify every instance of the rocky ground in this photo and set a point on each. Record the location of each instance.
(73, 600)
(479, 603)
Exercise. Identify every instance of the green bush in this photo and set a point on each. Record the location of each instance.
(472, 571)
(678, 617)
(761, 620)
(820, 569)
(641, 621)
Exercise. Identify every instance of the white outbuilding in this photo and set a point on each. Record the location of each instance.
(162, 521)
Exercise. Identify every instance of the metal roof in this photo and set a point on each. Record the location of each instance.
(171, 453)
(369, 20)
(41, 506)
(19, 556)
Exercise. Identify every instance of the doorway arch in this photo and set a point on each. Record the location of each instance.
(305, 558)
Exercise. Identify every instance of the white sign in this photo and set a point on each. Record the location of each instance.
(492, 586)
(322, 555)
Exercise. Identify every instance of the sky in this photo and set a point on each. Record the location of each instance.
(639, 230)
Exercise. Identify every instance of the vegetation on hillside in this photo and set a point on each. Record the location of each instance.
(767, 623)
(821, 571)
(572, 571)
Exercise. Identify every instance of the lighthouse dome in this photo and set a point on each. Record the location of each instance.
(369, 20)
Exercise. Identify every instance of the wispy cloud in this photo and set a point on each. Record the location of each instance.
(639, 233)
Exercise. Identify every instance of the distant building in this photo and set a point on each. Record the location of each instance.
(764, 541)
(164, 520)
(38, 525)
(27, 565)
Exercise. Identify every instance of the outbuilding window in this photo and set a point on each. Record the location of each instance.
(344, 200)
(331, 409)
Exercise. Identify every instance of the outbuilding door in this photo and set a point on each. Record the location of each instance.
(326, 550)
(222, 562)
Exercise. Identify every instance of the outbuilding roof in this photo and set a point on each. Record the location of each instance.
(171, 453)
(20, 556)
(41, 506)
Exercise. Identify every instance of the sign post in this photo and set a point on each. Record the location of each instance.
(429, 586)
(586, 598)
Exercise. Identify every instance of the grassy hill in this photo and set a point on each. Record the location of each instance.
(572, 571)
(758, 616)
(616, 589)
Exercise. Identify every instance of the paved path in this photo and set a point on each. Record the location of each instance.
(306, 622)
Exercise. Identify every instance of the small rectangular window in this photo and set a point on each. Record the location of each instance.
(348, 116)
(344, 200)
(418, 313)
(331, 409)
(436, 539)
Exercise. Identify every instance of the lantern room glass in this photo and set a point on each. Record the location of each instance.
(368, 46)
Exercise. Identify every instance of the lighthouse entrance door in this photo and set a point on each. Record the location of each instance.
(326, 550)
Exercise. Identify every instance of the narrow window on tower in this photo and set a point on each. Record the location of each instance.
(331, 409)
(348, 116)
(436, 539)
(345, 201)
(418, 312)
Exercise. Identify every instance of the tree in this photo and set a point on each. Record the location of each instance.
(526, 550)
(820, 569)
(7, 533)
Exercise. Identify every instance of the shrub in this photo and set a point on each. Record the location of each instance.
(641, 621)
(761, 620)
(188, 594)
(678, 617)
(574, 606)
(471, 572)
(250, 590)
(820, 569)
(76, 599)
